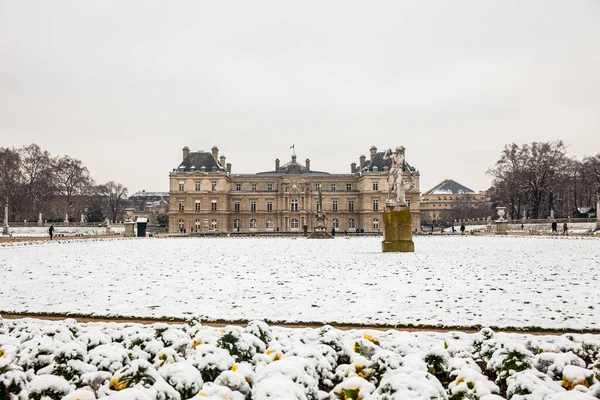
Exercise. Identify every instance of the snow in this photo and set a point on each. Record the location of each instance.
(394, 366)
(453, 281)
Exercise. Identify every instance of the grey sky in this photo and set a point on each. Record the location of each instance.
(124, 85)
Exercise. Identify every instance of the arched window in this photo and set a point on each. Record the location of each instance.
(197, 224)
(253, 224)
(269, 224)
(336, 223)
(181, 223)
(294, 204)
(213, 224)
(351, 224)
(294, 225)
(376, 224)
(236, 224)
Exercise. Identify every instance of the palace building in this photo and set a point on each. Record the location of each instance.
(205, 196)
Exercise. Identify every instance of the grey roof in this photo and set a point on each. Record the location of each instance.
(145, 194)
(380, 163)
(448, 186)
(199, 159)
(292, 167)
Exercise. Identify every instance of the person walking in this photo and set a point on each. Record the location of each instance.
(51, 231)
(462, 228)
(565, 229)
(554, 227)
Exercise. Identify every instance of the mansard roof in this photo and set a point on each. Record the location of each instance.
(448, 186)
(293, 167)
(199, 159)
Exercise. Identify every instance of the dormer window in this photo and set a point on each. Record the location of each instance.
(181, 169)
(375, 169)
(214, 169)
(203, 169)
(385, 168)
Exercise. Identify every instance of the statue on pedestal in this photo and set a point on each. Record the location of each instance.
(397, 219)
(398, 184)
(320, 229)
(320, 218)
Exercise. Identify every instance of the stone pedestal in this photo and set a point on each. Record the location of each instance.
(397, 231)
(129, 232)
(5, 230)
(501, 227)
(320, 234)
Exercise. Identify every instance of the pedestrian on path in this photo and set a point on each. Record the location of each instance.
(51, 231)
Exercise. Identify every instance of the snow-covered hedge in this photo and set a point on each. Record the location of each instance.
(56, 360)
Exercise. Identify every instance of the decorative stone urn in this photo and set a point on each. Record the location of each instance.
(501, 223)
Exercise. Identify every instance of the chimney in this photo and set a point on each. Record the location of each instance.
(277, 164)
(362, 159)
(373, 151)
(307, 164)
(186, 152)
(229, 168)
(353, 167)
(215, 153)
(222, 161)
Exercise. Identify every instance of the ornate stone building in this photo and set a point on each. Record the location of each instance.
(205, 196)
(448, 195)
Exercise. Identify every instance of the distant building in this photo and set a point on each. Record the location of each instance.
(149, 204)
(204, 195)
(446, 196)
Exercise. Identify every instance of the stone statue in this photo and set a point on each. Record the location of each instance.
(398, 184)
(320, 218)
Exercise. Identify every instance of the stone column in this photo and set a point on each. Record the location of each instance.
(5, 227)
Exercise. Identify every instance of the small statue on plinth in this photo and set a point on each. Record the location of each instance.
(320, 230)
(397, 220)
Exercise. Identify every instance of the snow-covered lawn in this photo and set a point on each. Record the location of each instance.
(457, 281)
(68, 360)
(41, 231)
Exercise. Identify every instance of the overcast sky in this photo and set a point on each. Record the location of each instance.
(124, 85)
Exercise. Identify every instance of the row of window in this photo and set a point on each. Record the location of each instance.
(294, 224)
(238, 186)
(213, 185)
(293, 205)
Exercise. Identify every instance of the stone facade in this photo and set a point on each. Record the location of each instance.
(204, 196)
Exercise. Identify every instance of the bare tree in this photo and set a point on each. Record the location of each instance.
(540, 178)
(36, 167)
(10, 181)
(115, 195)
(71, 179)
